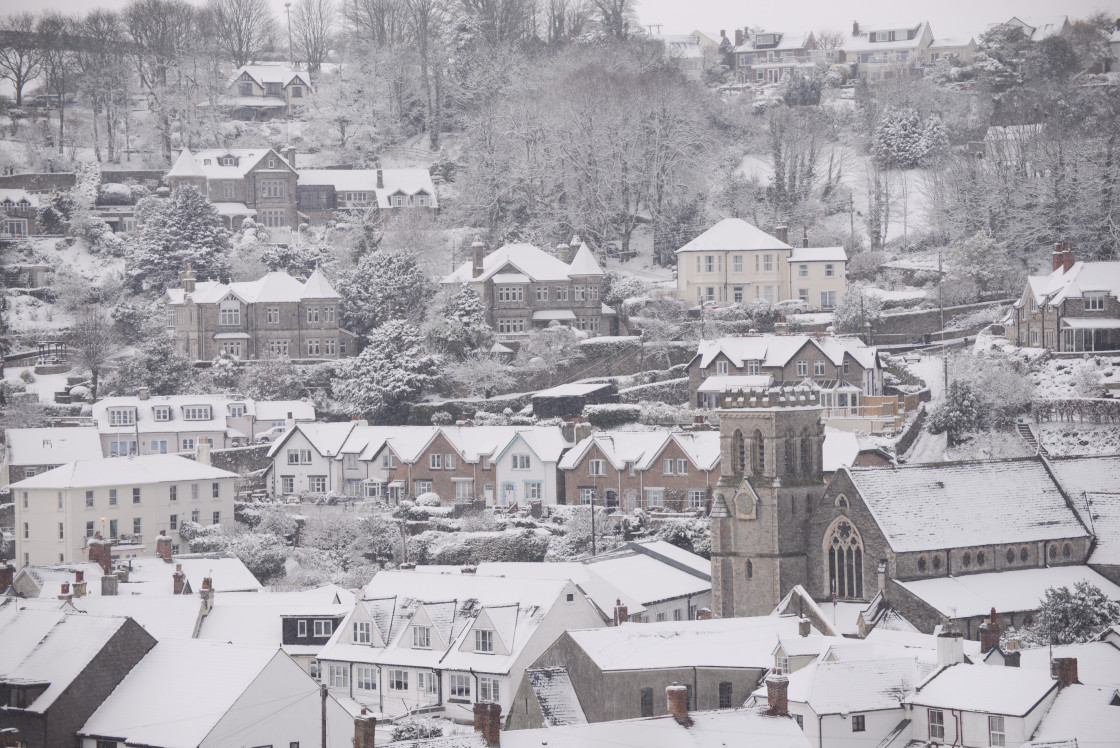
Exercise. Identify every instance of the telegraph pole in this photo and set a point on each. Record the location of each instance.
(941, 307)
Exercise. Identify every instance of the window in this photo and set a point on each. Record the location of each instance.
(737, 294)
(800, 720)
(312, 314)
(301, 628)
(511, 325)
(174, 522)
(272, 315)
(229, 313)
(768, 263)
(89, 498)
(136, 495)
(449, 462)
(818, 368)
(936, 724)
(753, 368)
(62, 531)
(215, 490)
(427, 683)
(721, 368)
(278, 347)
(579, 293)
(511, 293)
(26, 531)
(464, 490)
(483, 640)
(112, 497)
(542, 293)
(161, 413)
(996, 732)
(586, 495)
(828, 299)
(435, 462)
(459, 686)
(287, 484)
(844, 551)
(323, 627)
(647, 702)
(122, 417)
(781, 664)
(398, 680)
(196, 413)
(421, 487)
(737, 263)
(421, 637)
(317, 483)
(389, 462)
(272, 188)
(217, 518)
(488, 690)
(1094, 302)
(725, 699)
(361, 632)
(667, 467)
(312, 347)
(136, 525)
(338, 676)
(829, 270)
(802, 271)
(89, 529)
(364, 678)
(655, 497)
(696, 497)
(533, 490)
(802, 368)
(520, 462)
(858, 723)
(596, 467)
(314, 667)
(709, 264)
(561, 293)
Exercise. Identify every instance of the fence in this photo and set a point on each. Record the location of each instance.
(1088, 410)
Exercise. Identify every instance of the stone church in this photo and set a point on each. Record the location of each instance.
(879, 534)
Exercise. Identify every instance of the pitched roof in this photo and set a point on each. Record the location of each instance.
(733, 234)
(318, 287)
(116, 471)
(778, 350)
(1083, 715)
(584, 263)
(262, 74)
(151, 575)
(1082, 278)
(818, 254)
(935, 506)
(205, 163)
(16, 195)
(1093, 486)
(262, 410)
(51, 446)
(1098, 662)
(557, 697)
(643, 447)
(863, 43)
(862, 683)
(408, 181)
(1012, 691)
(274, 287)
(527, 260)
(326, 438)
(787, 41)
(186, 166)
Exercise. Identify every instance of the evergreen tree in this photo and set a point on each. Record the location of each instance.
(385, 287)
(302, 259)
(158, 364)
(392, 372)
(185, 229)
(963, 411)
(1070, 617)
(898, 139)
(462, 328)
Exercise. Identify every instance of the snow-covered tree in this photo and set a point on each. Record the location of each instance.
(462, 328)
(393, 371)
(898, 140)
(481, 374)
(549, 348)
(1073, 616)
(274, 378)
(304, 258)
(980, 266)
(184, 230)
(856, 308)
(385, 287)
(158, 364)
(961, 412)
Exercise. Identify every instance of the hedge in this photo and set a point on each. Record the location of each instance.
(609, 416)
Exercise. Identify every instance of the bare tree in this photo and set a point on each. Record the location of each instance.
(830, 39)
(242, 29)
(20, 56)
(56, 34)
(566, 19)
(377, 22)
(616, 18)
(313, 24)
(502, 21)
(104, 74)
(426, 19)
(93, 344)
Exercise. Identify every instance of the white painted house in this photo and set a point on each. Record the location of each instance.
(303, 459)
(28, 452)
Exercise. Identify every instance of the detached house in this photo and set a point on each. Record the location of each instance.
(19, 208)
(261, 92)
(1075, 308)
(772, 56)
(523, 288)
(324, 192)
(241, 183)
(883, 52)
(276, 315)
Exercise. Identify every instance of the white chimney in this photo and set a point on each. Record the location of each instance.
(202, 452)
(950, 648)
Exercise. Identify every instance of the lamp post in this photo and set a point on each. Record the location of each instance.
(288, 13)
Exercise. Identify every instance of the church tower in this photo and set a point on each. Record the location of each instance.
(771, 442)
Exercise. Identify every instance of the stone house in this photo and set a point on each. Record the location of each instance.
(242, 183)
(524, 288)
(772, 56)
(884, 52)
(28, 452)
(645, 469)
(60, 666)
(262, 92)
(324, 192)
(20, 208)
(1074, 308)
(276, 315)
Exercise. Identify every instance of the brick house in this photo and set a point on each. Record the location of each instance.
(883, 52)
(1075, 308)
(642, 469)
(261, 92)
(772, 56)
(323, 192)
(242, 183)
(524, 288)
(843, 369)
(276, 315)
(20, 209)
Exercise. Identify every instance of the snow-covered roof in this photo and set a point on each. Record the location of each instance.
(262, 74)
(1037, 28)
(788, 41)
(862, 42)
(408, 443)
(572, 389)
(17, 195)
(1083, 278)
(933, 507)
(51, 446)
(733, 234)
(151, 575)
(1080, 716)
(1009, 591)
(231, 210)
(818, 254)
(666, 551)
(1098, 662)
(556, 696)
(721, 384)
(527, 260)
(326, 438)
(206, 163)
(118, 471)
(644, 447)
(681, 46)
(840, 449)
(274, 287)
(1012, 691)
(717, 642)
(146, 423)
(1093, 486)
(258, 618)
(778, 350)
(951, 42)
(860, 684)
(406, 181)
(179, 691)
(50, 646)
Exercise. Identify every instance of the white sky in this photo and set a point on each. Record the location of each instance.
(947, 17)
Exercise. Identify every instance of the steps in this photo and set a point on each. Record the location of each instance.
(1029, 438)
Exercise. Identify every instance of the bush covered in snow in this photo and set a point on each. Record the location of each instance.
(457, 548)
(428, 499)
(416, 728)
(1068, 616)
(901, 140)
(610, 415)
(115, 194)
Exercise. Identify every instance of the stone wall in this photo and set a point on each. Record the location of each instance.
(38, 182)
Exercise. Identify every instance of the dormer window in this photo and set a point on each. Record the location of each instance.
(362, 632)
(227, 161)
(422, 637)
(122, 416)
(8, 203)
(1094, 302)
(206, 162)
(781, 664)
(237, 410)
(483, 640)
(161, 413)
(24, 203)
(323, 628)
(752, 368)
(196, 412)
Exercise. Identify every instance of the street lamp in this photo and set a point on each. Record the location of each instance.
(288, 13)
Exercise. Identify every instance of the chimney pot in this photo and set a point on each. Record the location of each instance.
(855, 28)
(79, 576)
(101, 552)
(380, 179)
(777, 695)
(163, 547)
(1064, 669)
(781, 231)
(178, 580)
(478, 254)
(66, 588)
(621, 613)
(989, 634)
(804, 236)
(950, 648)
(143, 392)
(677, 697)
(1012, 658)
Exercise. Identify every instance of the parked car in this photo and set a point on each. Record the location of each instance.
(792, 306)
(272, 434)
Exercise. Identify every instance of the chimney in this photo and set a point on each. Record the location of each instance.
(109, 585)
(202, 452)
(478, 253)
(564, 253)
(101, 552)
(704, 614)
(380, 179)
(989, 634)
(621, 614)
(950, 648)
(65, 590)
(804, 628)
(1056, 257)
(1012, 658)
(163, 546)
(1067, 256)
(206, 595)
(290, 155)
(207, 583)
(488, 721)
(7, 575)
(365, 725)
(142, 391)
(178, 580)
(781, 231)
(122, 573)
(79, 586)
(804, 236)
(738, 37)
(188, 278)
(723, 33)
(777, 695)
(855, 28)
(1065, 670)
(677, 696)
(79, 576)
(468, 568)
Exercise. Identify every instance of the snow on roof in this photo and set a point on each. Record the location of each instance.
(318, 287)
(733, 234)
(206, 163)
(1006, 591)
(556, 696)
(647, 579)
(186, 166)
(855, 685)
(662, 549)
(116, 471)
(863, 43)
(326, 438)
(787, 41)
(519, 258)
(1038, 28)
(51, 446)
(1012, 691)
(407, 181)
(840, 449)
(573, 389)
(49, 646)
(923, 646)
(721, 384)
(233, 209)
(162, 616)
(1084, 715)
(258, 618)
(681, 46)
(262, 74)
(584, 263)
(1093, 486)
(716, 642)
(778, 350)
(643, 447)
(220, 409)
(17, 195)
(152, 707)
(818, 254)
(932, 507)
(150, 575)
(1098, 663)
(1082, 278)
(949, 42)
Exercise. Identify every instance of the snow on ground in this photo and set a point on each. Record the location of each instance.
(1061, 377)
(1068, 439)
(906, 294)
(44, 385)
(28, 314)
(929, 447)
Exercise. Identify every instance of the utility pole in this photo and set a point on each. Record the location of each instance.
(592, 523)
(941, 307)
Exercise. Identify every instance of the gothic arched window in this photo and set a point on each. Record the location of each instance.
(739, 452)
(806, 452)
(844, 553)
(759, 457)
(790, 440)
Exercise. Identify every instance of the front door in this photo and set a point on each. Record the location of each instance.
(509, 494)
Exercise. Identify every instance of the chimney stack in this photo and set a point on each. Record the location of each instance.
(65, 590)
(202, 452)
(290, 155)
(188, 278)
(468, 568)
(380, 179)
(365, 725)
(950, 648)
(1065, 670)
(7, 576)
(79, 576)
(621, 614)
(855, 28)
(109, 585)
(178, 580)
(488, 721)
(738, 37)
(142, 392)
(478, 254)
(777, 695)
(101, 552)
(704, 614)
(781, 231)
(804, 628)
(804, 236)
(989, 634)
(163, 546)
(1068, 257)
(564, 253)
(677, 697)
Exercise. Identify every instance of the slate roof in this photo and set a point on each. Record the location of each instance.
(273, 410)
(733, 234)
(1082, 278)
(527, 260)
(855, 685)
(51, 446)
(643, 448)
(1093, 486)
(1011, 691)
(556, 696)
(189, 164)
(116, 471)
(778, 350)
(1083, 715)
(274, 287)
(407, 181)
(932, 507)
(818, 254)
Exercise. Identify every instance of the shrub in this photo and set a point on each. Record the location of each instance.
(609, 415)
